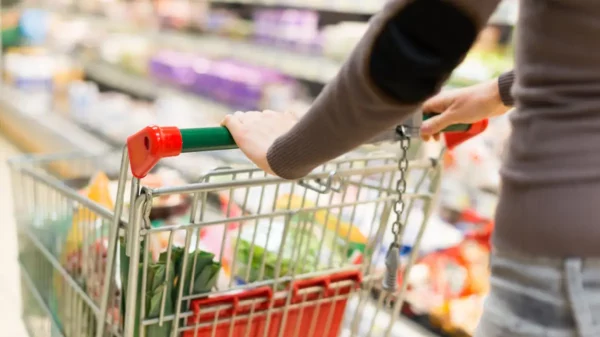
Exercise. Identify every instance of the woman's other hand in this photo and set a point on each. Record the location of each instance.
(254, 132)
(465, 105)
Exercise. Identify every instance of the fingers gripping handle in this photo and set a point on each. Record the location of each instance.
(149, 145)
(457, 134)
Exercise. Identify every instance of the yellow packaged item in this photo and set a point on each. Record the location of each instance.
(84, 226)
(329, 220)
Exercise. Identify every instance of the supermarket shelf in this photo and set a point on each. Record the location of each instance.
(46, 132)
(112, 76)
(303, 66)
(49, 132)
(115, 77)
(358, 7)
(191, 166)
(37, 131)
(307, 67)
(314, 68)
(506, 13)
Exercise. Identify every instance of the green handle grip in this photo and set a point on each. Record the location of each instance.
(219, 138)
(451, 128)
(206, 139)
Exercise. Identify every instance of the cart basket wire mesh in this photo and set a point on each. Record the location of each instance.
(253, 255)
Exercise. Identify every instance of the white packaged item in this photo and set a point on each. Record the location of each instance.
(278, 96)
(370, 324)
(438, 234)
(165, 105)
(31, 72)
(339, 40)
(82, 97)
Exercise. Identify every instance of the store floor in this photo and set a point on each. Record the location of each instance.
(10, 301)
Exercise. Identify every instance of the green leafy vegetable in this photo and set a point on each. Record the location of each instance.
(301, 250)
(165, 281)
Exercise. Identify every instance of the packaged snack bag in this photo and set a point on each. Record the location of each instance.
(76, 252)
(99, 192)
(461, 276)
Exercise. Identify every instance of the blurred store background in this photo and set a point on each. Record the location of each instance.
(82, 75)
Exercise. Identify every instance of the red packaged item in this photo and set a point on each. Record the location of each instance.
(460, 277)
(483, 229)
(459, 271)
(316, 306)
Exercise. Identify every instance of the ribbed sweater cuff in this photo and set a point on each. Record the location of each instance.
(283, 161)
(505, 82)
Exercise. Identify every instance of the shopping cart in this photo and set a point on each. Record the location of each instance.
(289, 258)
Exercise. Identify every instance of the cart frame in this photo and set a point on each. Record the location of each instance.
(39, 173)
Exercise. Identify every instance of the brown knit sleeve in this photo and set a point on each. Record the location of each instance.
(505, 83)
(352, 109)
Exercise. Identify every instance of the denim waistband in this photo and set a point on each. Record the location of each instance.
(588, 263)
(551, 292)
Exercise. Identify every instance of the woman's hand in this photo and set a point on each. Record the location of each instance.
(465, 105)
(254, 132)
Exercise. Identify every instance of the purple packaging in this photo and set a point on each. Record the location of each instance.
(316, 46)
(254, 88)
(309, 25)
(225, 73)
(261, 26)
(172, 67)
(295, 29)
(272, 25)
(205, 80)
(246, 89)
(240, 85)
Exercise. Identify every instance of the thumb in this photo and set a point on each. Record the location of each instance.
(437, 123)
(438, 103)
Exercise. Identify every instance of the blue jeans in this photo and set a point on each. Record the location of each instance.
(534, 297)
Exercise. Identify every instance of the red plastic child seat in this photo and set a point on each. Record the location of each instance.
(315, 307)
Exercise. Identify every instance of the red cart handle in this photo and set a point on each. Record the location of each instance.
(453, 139)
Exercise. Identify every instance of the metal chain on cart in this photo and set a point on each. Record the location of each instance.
(392, 262)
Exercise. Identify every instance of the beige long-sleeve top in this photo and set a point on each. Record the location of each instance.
(550, 199)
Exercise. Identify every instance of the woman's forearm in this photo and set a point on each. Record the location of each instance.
(409, 50)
